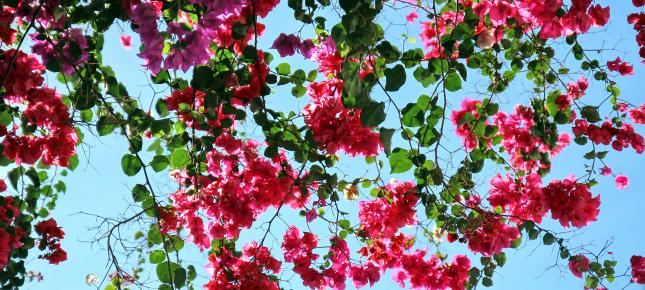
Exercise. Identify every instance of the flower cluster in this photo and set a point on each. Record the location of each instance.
(638, 269)
(580, 17)
(519, 141)
(571, 202)
(10, 234)
(335, 127)
(70, 50)
(145, 15)
(240, 186)
(620, 66)
(248, 271)
(431, 274)
(638, 20)
(619, 137)
(489, 234)
(638, 114)
(287, 45)
(523, 198)
(44, 109)
(7, 34)
(578, 265)
(431, 32)
(384, 216)
(51, 235)
(463, 128)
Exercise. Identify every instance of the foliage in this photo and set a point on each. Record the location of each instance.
(207, 54)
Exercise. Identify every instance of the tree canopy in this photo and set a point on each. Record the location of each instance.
(501, 88)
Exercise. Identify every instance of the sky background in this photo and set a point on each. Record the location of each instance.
(98, 187)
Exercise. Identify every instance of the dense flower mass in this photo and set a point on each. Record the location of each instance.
(384, 216)
(51, 235)
(248, 271)
(239, 162)
(10, 235)
(489, 234)
(523, 198)
(638, 269)
(578, 265)
(571, 202)
(335, 127)
(240, 186)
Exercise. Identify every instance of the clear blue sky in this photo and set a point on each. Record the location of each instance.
(99, 187)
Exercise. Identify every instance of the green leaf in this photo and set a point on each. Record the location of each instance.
(548, 239)
(399, 161)
(590, 113)
(394, 78)
(551, 106)
(373, 114)
(180, 277)
(453, 82)
(159, 163)
(130, 164)
(284, 68)
(104, 125)
(140, 193)
(386, 139)
(388, 52)
(180, 158)
(166, 271)
(157, 256)
(413, 115)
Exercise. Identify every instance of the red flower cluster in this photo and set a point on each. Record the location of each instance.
(45, 109)
(619, 137)
(51, 236)
(571, 202)
(258, 72)
(240, 186)
(522, 198)
(464, 129)
(638, 20)
(638, 269)
(488, 234)
(63, 50)
(519, 141)
(335, 127)
(7, 34)
(384, 216)
(578, 265)
(250, 271)
(638, 114)
(432, 274)
(10, 234)
(439, 26)
(25, 74)
(622, 67)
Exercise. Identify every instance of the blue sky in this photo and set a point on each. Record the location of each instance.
(99, 187)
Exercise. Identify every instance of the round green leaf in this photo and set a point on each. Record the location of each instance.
(453, 82)
(180, 158)
(159, 163)
(130, 164)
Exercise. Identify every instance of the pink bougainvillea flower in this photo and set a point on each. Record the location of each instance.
(126, 41)
(622, 181)
(578, 265)
(622, 67)
(412, 16)
(638, 269)
(286, 45)
(599, 15)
